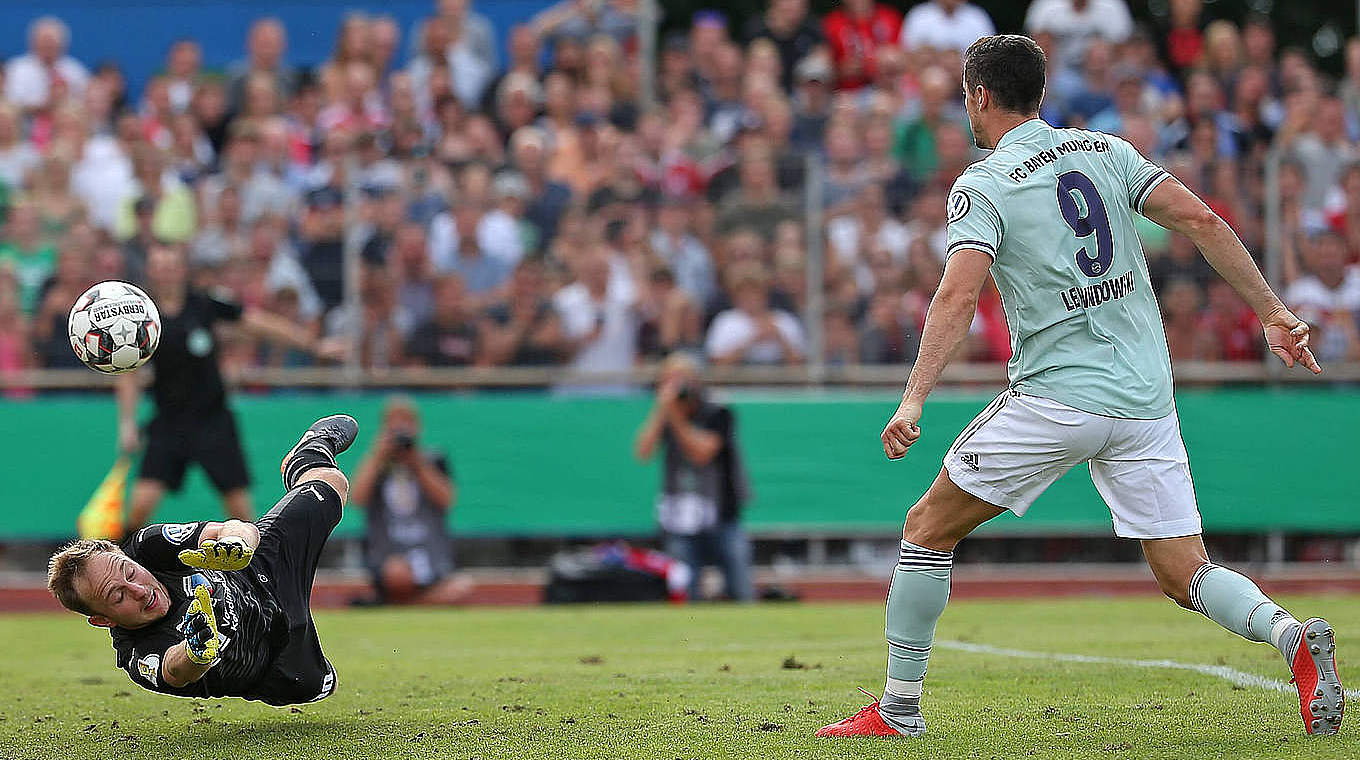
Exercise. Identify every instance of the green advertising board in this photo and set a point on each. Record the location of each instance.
(535, 465)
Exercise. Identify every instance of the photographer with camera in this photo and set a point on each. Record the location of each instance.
(407, 492)
(703, 484)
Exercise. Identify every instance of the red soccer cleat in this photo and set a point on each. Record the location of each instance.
(1321, 698)
(866, 722)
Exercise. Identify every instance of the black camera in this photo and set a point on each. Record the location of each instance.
(687, 393)
(403, 440)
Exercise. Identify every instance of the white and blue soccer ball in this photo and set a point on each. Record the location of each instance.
(114, 327)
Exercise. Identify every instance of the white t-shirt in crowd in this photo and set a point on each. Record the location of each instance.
(103, 179)
(928, 25)
(1309, 294)
(1332, 312)
(27, 80)
(1072, 28)
(734, 327)
(615, 348)
(849, 242)
(497, 236)
(15, 163)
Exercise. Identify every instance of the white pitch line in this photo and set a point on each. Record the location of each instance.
(1232, 675)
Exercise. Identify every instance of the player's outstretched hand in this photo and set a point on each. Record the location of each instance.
(200, 628)
(1287, 336)
(901, 431)
(230, 553)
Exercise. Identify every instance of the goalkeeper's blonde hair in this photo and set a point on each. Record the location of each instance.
(67, 564)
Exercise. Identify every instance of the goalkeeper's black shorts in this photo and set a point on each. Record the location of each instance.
(292, 535)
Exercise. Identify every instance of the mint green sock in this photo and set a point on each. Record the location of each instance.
(916, 598)
(1234, 602)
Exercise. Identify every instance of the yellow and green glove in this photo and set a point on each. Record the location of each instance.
(230, 553)
(200, 628)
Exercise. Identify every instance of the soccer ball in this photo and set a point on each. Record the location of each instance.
(114, 327)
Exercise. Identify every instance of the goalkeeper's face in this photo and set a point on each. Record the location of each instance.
(121, 592)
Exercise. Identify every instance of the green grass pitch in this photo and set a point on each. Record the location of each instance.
(662, 682)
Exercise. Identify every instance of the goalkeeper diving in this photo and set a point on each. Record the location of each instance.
(221, 609)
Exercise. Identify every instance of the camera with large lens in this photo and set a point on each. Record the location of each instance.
(403, 440)
(688, 393)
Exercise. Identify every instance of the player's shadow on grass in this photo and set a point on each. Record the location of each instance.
(252, 736)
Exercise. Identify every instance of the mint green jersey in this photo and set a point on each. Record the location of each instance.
(1054, 208)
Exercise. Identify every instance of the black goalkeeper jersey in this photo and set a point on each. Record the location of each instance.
(250, 623)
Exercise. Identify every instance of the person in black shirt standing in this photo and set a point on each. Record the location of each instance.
(795, 34)
(251, 634)
(703, 482)
(449, 338)
(192, 422)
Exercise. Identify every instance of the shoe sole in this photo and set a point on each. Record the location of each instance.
(311, 431)
(822, 733)
(1324, 708)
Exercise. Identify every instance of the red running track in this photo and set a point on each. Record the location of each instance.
(519, 589)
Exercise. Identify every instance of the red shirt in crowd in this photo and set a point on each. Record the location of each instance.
(1183, 46)
(1234, 326)
(855, 41)
(996, 334)
(1238, 334)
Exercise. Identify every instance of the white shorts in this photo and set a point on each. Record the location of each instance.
(1020, 444)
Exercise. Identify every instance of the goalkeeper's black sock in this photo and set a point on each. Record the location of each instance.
(315, 454)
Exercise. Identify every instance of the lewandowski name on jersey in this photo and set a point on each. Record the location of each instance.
(1091, 296)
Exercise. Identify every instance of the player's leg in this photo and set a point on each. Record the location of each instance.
(1182, 568)
(1144, 476)
(919, 591)
(164, 462)
(1010, 454)
(217, 449)
(398, 580)
(685, 549)
(916, 598)
(1173, 562)
(734, 555)
(1002, 461)
(146, 495)
(292, 536)
(237, 504)
(408, 578)
(333, 477)
(434, 579)
(295, 530)
(453, 589)
(1232, 600)
(317, 449)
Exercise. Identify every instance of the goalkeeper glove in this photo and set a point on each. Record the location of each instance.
(230, 553)
(200, 628)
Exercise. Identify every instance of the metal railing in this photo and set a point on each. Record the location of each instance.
(883, 376)
(1274, 242)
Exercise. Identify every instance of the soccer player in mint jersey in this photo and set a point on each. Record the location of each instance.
(1049, 215)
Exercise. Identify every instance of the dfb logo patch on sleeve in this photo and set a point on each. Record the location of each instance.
(178, 533)
(150, 668)
(958, 206)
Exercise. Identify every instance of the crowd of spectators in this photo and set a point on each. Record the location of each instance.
(530, 211)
